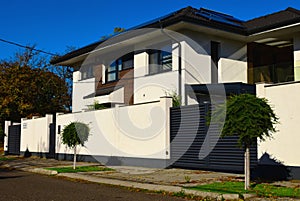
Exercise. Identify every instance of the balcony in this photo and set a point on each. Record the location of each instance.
(276, 73)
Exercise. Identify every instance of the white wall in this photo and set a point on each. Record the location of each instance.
(232, 71)
(140, 131)
(197, 60)
(35, 134)
(285, 99)
(82, 88)
(150, 88)
(7, 124)
(196, 63)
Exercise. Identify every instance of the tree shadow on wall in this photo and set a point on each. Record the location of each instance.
(270, 169)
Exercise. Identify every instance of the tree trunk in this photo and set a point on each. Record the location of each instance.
(247, 168)
(74, 163)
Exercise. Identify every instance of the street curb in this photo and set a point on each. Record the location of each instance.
(137, 185)
(151, 187)
(40, 171)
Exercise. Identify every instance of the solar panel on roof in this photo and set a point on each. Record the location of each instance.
(219, 17)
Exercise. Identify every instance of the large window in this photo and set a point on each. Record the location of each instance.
(87, 72)
(160, 60)
(123, 63)
(270, 64)
(215, 57)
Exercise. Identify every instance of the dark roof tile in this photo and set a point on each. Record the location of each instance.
(274, 20)
(190, 14)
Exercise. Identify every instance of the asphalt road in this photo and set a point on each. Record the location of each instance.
(22, 186)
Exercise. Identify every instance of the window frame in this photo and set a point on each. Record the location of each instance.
(160, 60)
(87, 72)
(119, 66)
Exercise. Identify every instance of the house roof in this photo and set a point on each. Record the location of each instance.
(208, 18)
(274, 20)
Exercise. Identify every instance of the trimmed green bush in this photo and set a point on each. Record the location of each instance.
(75, 134)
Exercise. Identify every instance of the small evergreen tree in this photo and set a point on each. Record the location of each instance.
(74, 134)
(249, 118)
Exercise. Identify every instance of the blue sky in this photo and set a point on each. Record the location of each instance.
(54, 25)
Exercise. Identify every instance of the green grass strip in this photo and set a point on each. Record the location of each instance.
(264, 190)
(80, 169)
(6, 159)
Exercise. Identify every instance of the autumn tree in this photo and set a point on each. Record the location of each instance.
(65, 73)
(28, 87)
(115, 31)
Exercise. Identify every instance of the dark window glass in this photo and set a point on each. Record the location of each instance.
(123, 63)
(160, 60)
(215, 57)
(111, 72)
(87, 72)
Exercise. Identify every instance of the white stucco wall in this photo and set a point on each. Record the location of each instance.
(5, 144)
(35, 134)
(232, 71)
(285, 101)
(195, 65)
(140, 131)
(197, 59)
(150, 88)
(82, 88)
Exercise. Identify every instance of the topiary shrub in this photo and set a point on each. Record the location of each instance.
(75, 134)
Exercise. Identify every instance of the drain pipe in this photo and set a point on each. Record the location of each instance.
(179, 61)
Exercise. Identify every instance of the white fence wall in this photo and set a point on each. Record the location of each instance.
(140, 131)
(285, 101)
(7, 124)
(35, 134)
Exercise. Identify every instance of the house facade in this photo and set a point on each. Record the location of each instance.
(133, 73)
(190, 47)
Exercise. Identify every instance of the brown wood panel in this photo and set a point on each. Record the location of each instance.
(125, 80)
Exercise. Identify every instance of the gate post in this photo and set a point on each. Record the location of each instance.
(7, 124)
(206, 113)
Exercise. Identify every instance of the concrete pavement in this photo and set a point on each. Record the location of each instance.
(169, 180)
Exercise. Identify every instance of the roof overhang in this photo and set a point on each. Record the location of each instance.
(188, 18)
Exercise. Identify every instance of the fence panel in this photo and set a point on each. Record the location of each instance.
(14, 135)
(189, 133)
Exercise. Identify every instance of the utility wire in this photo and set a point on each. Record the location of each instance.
(26, 47)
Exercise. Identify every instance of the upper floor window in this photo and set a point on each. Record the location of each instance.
(86, 72)
(123, 63)
(160, 60)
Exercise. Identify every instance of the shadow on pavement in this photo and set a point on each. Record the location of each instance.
(270, 170)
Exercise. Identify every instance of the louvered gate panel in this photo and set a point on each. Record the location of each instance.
(14, 135)
(188, 133)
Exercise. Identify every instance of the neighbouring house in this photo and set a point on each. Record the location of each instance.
(200, 55)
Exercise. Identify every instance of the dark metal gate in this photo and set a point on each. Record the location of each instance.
(14, 138)
(52, 141)
(191, 147)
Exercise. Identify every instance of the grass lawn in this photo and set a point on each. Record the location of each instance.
(6, 159)
(264, 190)
(80, 169)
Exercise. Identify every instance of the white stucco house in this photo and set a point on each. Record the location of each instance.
(191, 47)
(178, 53)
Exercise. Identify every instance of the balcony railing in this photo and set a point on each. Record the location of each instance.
(276, 73)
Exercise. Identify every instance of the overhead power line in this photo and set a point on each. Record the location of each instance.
(26, 47)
